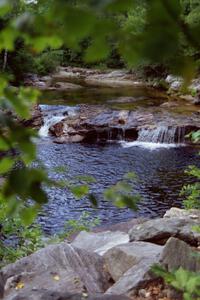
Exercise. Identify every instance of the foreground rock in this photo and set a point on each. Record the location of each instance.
(173, 255)
(176, 212)
(58, 268)
(123, 271)
(158, 231)
(100, 242)
(123, 257)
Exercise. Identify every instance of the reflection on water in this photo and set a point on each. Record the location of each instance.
(117, 98)
(160, 178)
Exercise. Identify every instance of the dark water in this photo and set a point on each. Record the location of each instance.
(112, 97)
(160, 178)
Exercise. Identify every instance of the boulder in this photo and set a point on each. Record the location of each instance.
(123, 257)
(36, 119)
(175, 212)
(173, 255)
(134, 278)
(100, 242)
(160, 230)
(59, 268)
(176, 254)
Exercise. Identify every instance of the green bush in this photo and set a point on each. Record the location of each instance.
(47, 61)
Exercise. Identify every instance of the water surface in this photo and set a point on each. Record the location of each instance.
(160, 174)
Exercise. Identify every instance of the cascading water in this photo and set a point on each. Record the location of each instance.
(163, 135)
(159, 137)
(53, 114)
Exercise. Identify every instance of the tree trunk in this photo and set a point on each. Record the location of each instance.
(5, 58)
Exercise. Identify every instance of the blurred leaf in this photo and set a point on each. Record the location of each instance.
(79, 191)
(6, 164)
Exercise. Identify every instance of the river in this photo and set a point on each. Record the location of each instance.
(159, 169)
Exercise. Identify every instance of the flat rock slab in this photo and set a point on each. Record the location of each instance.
(56, 268)
(160, 230)
(100, 242)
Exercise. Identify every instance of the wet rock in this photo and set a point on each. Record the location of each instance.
(123, 257)
(57, 268)
(175, 212)
(100, 242)
(110, 82)
(65, 86)
(160, 230)
(69, 139)
(36, 119)
(169, 104)
(196, 100)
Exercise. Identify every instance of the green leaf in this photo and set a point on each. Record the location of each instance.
(93, 199)
(3, 145)
(119, 5)
(5, 7)
(79, 191)
(28, 215)
(6, 164)
(98, 50)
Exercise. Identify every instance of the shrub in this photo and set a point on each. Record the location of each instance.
(47, 61)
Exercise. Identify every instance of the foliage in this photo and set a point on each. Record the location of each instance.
(47, 61)
(192, 191)
(182, 280)
(17, 240)
(121, 194)
(83, 223)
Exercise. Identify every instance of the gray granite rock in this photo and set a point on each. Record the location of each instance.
(56, 268)
(100, 242)
(123, 257)
(160, 230)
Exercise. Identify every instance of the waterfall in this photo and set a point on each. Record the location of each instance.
(54, 114)
(163, 134)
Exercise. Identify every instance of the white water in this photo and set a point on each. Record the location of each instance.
(163, 134)
(48, 122)
(53, 115)
(149, 145)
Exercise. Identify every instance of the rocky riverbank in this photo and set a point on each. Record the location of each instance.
(97, 123)
(108, 264)
(71, 78)
(168, 122)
